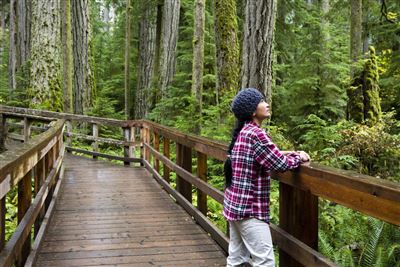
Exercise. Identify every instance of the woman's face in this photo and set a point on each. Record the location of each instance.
(262, 112)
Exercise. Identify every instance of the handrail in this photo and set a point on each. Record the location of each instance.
(300, 189)
(39, 159)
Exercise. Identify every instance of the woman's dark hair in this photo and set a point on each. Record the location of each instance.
(228, 163)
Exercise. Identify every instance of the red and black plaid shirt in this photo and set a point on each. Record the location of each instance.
(253, 157)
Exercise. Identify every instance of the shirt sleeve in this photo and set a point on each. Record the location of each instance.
(267, 154)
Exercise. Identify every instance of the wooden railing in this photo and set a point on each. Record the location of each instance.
(297, 233)
(38, 160)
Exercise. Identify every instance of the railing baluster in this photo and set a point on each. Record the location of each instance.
(39, 180)
(127, 133)
(156, 147)
(24, 201)
(3, 132)
(298, 215)
(184, 159)
(166, 154)
(2, 222)
(95, 144)
(202, 174)
(69, 133)
(27, 129)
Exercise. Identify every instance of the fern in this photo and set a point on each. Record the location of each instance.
(368, 255)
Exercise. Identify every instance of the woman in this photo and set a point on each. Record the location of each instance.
(252, 156)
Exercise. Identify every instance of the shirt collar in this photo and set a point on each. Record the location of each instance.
(253, 124)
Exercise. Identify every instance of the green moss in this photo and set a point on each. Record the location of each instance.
(364, 104)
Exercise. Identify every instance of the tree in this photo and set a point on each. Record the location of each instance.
(45, 85)
(127, 59)
(226, 28)
(258, 38)
(168, 44)
(198, 59)
(20, 31)
(66, 40)
(147, 43)
(84, 83)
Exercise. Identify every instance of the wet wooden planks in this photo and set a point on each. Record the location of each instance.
(112, 215)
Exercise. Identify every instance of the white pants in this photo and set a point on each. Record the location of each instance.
(250, 237)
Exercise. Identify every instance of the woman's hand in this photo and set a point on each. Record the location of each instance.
(303, 156)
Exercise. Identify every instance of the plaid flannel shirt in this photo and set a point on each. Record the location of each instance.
(253, 157)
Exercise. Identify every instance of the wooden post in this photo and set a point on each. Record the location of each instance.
(69, 132)
(24, 201)
(298, 215)
(156, 147)
(202, 174)
(27, 129)
(148, 141)
(3, 132)
(39, 180)
(2, 222)
(142, 141)
(184, 159)
(166, 154)
(132, 139)
(95, 144)
(127, 147)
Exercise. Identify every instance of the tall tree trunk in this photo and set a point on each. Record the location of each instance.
(20, 30)
(168, 44)
(227, 46)
(12, 64)
(258, 38)
(84, 85)
(3, 15)
(198, 60)
(355, 30)
(147, 37)
(355, 104)
(66, 40)
(127, 83)
(45, 89)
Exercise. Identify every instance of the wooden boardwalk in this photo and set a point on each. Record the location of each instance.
(112, 215)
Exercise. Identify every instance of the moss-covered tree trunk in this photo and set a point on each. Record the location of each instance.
(66, 40)
(127, 59)
(147, 45)
(258, 40)
(20, 31)
(198, 61)
(84, 83)
(227, 45)
(45, 72)
(168, 44)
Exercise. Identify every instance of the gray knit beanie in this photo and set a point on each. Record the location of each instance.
(245, 103)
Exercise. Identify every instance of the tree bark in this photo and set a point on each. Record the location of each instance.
(198, 59)
(147, 37)
(84, 84)
(20, 30)
(45, 89)
(127, 59)
(169, 40)
(258, 39)
(3, 15)
(66, 39)
(12, 63)
(355, 105)
(355, 30)
(227, 46)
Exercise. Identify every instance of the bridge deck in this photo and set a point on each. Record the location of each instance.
(112, 215)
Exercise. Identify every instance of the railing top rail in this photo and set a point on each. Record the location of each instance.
(37, 114)
(11, 159)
